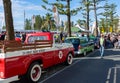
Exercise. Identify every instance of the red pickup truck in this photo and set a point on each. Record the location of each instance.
(18, 60)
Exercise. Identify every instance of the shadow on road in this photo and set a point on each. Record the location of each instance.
(107, 52)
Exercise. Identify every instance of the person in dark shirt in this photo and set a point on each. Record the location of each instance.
(61, 37)
(23, 37)
(2, 36)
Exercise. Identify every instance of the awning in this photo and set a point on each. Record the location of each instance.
(77, 28)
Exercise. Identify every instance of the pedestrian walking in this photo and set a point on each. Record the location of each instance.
(119, 41)
(61, 37)
(101, 45)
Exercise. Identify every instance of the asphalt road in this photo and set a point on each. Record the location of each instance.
(90, 69)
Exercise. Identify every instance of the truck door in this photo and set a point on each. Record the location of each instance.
(49, 58)
(59, 54)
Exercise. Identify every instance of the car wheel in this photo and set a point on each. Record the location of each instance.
(34, 73)
(69, 59)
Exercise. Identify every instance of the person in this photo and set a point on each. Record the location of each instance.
(119, 41)
(61, 37)
(23, 37)
(101, 45)
(3, 36)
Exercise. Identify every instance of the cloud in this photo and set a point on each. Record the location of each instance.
(1, 3)
(18, 8)
(1, 14)
(21, 4)
(1, 8)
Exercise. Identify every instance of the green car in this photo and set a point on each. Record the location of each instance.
(81, 45)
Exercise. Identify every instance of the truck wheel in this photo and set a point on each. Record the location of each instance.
(69, 59)
(34, 73)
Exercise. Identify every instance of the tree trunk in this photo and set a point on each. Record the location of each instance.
(68, 16)
(88, 16)
(8, 20)
(96, 28)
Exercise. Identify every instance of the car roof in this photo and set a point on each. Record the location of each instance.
(39, 33)
(72, 38)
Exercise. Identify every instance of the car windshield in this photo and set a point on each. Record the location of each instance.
(72, 40)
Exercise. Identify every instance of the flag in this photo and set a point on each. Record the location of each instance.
(33, 21)
(2, 23)
(93, 27)
(56, 16)
(24, 19)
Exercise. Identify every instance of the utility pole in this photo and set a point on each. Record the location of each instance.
(24, 19)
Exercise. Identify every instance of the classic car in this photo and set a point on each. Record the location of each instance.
(81, 45)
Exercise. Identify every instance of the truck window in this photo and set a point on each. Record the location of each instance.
(31, 39)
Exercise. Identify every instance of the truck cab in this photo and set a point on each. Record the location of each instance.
(31, 37)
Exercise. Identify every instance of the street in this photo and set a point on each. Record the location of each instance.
(90, 69)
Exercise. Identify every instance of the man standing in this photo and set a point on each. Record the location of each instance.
(102, 45)
(61, 37)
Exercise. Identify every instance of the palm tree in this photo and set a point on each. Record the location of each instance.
(48, 20)
(112, 12)
(38, 22)
(109, 15)
(28, 24)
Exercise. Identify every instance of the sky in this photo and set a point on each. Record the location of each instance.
(33, 7)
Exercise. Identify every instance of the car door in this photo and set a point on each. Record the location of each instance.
(82, 45)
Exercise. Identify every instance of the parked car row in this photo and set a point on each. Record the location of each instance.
(81, 45)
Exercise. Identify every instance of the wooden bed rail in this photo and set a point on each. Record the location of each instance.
(9, 46)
